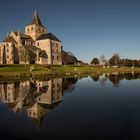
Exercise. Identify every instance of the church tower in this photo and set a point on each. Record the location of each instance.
(35, 28)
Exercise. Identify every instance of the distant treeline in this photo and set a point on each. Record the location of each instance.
(115, 60)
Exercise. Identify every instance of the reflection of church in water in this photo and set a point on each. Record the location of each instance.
(33, 97)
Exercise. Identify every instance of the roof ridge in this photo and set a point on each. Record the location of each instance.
(48, 36)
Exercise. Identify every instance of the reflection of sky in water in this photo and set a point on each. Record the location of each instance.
(103, 111)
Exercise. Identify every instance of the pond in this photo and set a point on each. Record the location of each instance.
(104, 107)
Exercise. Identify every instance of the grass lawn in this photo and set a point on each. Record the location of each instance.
(19, 68)
(61, 70)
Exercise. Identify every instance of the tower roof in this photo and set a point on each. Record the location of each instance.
(35, 19)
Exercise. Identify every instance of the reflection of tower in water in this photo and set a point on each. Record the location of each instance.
(34, 98)
(37, 113)
(50, 92)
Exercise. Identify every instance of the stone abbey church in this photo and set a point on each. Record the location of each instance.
(35, 46)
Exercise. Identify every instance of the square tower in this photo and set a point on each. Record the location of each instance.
(35, 28)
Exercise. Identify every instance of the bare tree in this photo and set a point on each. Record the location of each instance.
(27, 54)
(23, 55)
(103, 61)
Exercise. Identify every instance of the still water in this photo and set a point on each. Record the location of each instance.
(105, 107)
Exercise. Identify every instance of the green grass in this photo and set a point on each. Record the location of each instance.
(19, 68)
(91, 69)
(22, 71)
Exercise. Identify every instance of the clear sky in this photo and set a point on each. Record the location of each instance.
(87, 28)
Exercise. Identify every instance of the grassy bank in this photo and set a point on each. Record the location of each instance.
(22, 71)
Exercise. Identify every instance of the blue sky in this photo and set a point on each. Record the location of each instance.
(87, 28)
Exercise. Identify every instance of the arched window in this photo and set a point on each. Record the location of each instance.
(32, 28)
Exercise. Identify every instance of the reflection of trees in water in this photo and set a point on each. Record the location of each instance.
(95, 77)
(69, 84)
(115, 78)
(136, 75)
(130, 76)
(103, 79)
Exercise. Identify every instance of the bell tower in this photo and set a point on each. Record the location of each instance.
(35, 28)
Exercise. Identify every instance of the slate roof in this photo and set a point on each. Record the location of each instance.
(48, 36)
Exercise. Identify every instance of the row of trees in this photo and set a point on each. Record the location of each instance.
(115, 60)
(68, 58)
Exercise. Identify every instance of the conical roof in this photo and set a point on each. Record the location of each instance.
(35, 19)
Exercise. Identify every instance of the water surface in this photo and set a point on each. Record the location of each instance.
(102, 107)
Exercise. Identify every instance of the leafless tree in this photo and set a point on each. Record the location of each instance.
(26, 55)
(23, 55)
(103, 60)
